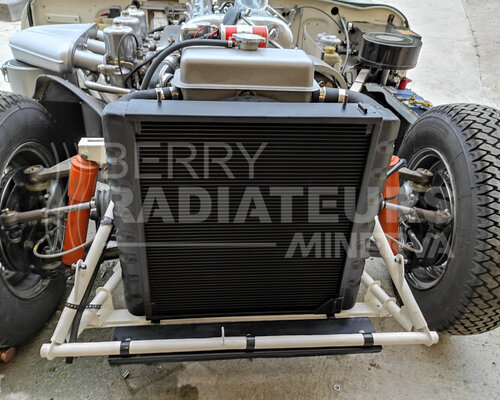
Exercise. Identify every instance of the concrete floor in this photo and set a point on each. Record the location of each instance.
(457, 64)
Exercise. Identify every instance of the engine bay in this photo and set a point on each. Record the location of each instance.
(279, 53)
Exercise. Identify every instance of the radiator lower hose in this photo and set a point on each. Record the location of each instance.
(171, 49)
(332, 96)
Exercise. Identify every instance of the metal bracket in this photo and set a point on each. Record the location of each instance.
(39, 174)
(360, 80)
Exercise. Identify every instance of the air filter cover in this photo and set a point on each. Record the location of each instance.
(390, 50)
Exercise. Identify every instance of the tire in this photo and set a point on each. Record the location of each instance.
(465, 298)
(28, 136)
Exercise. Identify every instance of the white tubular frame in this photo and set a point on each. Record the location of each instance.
(377, 303)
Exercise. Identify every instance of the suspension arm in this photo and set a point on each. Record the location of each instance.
(9, 219)
(434, 217)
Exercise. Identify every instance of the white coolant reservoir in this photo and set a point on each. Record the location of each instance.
(330, 56)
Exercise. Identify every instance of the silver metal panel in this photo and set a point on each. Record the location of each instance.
(51, 47)
(207, 69)
(22, 77)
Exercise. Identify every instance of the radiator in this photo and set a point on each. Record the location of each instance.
(232, 208)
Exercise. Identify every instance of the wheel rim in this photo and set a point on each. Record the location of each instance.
(24, 285)
(424, 271)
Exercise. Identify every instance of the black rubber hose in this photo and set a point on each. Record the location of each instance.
(165, 67)
(148, 94)
(75, 326)
(332, 96)
(129, 75)
(159, 29)
(171, 49)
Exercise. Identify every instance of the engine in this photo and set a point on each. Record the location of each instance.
(112, 61)
(278, 54)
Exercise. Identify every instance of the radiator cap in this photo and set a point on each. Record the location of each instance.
(248, 41)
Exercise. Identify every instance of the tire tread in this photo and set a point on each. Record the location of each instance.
(8, 100)
(479, 308)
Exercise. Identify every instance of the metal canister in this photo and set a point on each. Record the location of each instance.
(135, 12)
(112, 36)
(126, 19)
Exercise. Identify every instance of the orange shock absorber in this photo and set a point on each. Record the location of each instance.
(389, 218)
(81, 188)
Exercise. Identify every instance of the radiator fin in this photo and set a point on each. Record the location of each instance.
(213, 268)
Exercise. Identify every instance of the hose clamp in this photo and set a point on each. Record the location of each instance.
(159, 94)
(174, 92)
(342, 95)
(322, 94)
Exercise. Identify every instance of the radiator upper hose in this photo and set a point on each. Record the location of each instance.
(170, 49)
(332, 96)
(149, 94)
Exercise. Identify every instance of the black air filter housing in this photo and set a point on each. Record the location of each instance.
(235, 258)
(390, 50)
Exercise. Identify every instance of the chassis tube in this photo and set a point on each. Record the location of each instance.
(84, 276)
(234, 343)
(102, 295)
(388, 302)
(396, 270)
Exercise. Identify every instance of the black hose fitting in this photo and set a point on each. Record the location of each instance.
(166, 93)
(331, 95)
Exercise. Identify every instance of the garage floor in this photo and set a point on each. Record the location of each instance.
(458, 63)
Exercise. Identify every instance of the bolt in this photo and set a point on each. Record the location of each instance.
(125, 374)
(33, 168)
(425, 172)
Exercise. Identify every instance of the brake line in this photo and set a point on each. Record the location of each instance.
(413, 237)
(57, 255)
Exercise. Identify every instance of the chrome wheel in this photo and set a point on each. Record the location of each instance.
(426, 269)
(25, 275)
